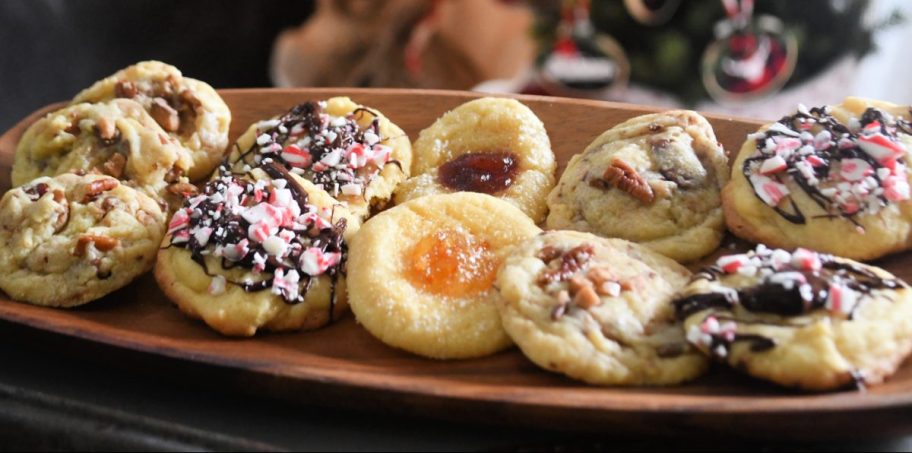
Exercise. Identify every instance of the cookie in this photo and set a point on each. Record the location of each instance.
(597, 310)
(117, 138)
(68, 240)
(490, 145)
(265, 250)
(801, 319)
(187, 109)
(831, 179)
(349, 150)
(654, 179)
(421, 274)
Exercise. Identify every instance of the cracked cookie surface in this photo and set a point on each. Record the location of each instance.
(654, 179)
(117, 138)
(597, 310)
(188, 110)
(69, 240)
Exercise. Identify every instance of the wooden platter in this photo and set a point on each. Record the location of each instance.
(343, 366)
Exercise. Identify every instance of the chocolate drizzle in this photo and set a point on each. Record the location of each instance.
(335, 153)
(819, 164)
(280, 247)
(790, 285)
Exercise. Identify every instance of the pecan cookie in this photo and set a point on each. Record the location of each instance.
(69, 240)
(799, 319)
(654, 179)
(262, 250)
(490, 145)
(351, 151)
(832, 179)
(117, 138)
(597, 309)
(187, 109)
(421, 275)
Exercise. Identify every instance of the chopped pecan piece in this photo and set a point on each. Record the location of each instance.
(173, 175)
(102, 243)
(165, 115)
(125, 89)
(549, 253)
(571, 262)
(190, 99)
(183, 189)
(626, 178)
(115, 165)
(106, 130)
(586, 298)
(97, 187)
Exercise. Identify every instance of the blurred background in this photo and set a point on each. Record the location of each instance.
(743, 57)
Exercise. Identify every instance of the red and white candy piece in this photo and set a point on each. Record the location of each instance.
(297, 157)
(880, 147)
(732, 263)
(217, 285)
(772, 165)
(805, 259)
(854, 169)
(841, 299)
(315, 262)
(770, 191)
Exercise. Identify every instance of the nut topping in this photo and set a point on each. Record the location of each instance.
(183, 189)
(97, 187)
(102, 243)
(125, 89)
(622, 176)
(115, 165)
(165, 115)
(106, 130)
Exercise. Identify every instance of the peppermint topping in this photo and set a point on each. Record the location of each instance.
(847, 170)
(788, 284)
(265, 226)
(334, 152)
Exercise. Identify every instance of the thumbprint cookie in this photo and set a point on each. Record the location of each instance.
(70, 239)
(262, 250)
(116, 138)
(598, 310)
(831, 179)
(800, 319)
(351, 151)
(491, 145)
(188, 110)
(654, 179)
(421, 275)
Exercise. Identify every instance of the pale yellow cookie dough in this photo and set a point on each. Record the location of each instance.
(69, 240)
(381, 182)
(867, 235)
(622, 332)
(187, 109)
(421, 274)
(117, 138)
(487, 125)
(214, 295)
(676, 156)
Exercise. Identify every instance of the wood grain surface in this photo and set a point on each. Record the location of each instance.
(343, 366)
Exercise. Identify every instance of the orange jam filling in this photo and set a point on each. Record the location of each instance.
(451, 263)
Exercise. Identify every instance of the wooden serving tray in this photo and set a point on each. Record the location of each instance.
(343, 366)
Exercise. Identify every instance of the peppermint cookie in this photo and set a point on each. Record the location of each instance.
(489, 145)
(187, 109)
(421, 274)
(69, 240)
(832, 179)
(800, 319)
(654, 179)
(597, 309)
(263, 251)
(117, 138)
(349, 150)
